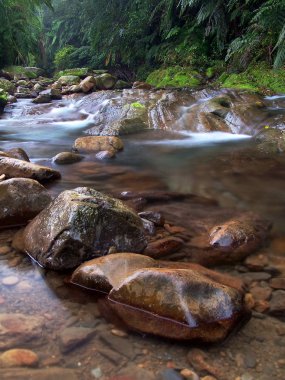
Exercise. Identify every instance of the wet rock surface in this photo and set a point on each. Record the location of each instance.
(21, 199)
(79, 225)
(14, 168)
(239, 180)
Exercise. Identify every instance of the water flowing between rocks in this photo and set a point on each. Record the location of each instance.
(200, 143)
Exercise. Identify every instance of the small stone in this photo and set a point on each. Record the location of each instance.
(188, 374)
(120, 333)
(249, 301)
(4, 250)
(170, 374)
(256, 262)
(106, 154)
(261, 306)
(277, 283)
(97, 373)
(10, 281)
(208, 378)
(277, 303)
(163, 247)
(18, 358)
(261, 294)
(65, 158)
(199, 360)
(246, 376)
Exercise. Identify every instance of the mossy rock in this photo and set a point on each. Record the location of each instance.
(3, 100)
(259, 78)
(69, 80)
(175, 77)
(81, 72)
(7, 86)
(24, 72)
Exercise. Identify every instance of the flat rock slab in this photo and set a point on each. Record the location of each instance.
(38, 374)
(22, 200)
(14, 168)
(18, 329)
(78, 225)
(73, 337)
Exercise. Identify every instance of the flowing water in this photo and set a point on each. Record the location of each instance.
(208, 164)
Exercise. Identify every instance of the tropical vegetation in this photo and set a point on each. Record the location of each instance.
(135, 37)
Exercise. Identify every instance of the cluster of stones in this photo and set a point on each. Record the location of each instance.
(30, 83)
(170, 299)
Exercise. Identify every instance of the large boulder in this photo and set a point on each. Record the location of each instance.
(98, 143)
(178, 304)
(7, 86)
(19, 72)
(14, 168)
(105, 81)
(108, 272)
(79, 225)
(69, 80)
(22, 200)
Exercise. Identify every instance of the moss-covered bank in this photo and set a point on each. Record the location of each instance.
(259, 78)
(175, 76)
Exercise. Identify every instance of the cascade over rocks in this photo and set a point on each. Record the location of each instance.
(78, 225)
(21, 199)
(180, 301)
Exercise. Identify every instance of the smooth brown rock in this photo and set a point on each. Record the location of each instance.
(21, 199)
(104, 273)
(142, 86)
(18, 358)
(65, 158)
(243, 235)
(78, 225)
(18, 329)
(163, 247)
(277, 283)
(98, 143)
(179, 304)
(14, 168)
(107, 272)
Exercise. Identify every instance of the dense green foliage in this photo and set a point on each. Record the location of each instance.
(142, 35)
(20, 31)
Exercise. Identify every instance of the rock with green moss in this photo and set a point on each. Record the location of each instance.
(7, 86)
(69, 80)
(258, 78)
(175, 77)
(20, 72)
(3, 100)
(105, 81)
(78, 225)
(81, 72)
